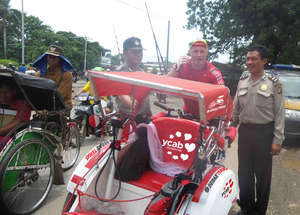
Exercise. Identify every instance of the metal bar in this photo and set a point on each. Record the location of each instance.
(29, 167)
(23, 51)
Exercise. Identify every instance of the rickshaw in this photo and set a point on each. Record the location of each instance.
(187, 152)
(36, 152)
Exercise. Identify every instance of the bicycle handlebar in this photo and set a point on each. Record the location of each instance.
(163, 106)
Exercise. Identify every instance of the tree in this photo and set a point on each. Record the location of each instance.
(4, 8)
(38, 37)
(230, 26)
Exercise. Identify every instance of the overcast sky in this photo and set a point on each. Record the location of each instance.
(97, 19)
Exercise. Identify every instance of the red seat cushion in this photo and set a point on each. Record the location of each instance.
(178, 138)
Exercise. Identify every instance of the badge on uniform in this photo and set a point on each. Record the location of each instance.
(278, 87)
(263, 87)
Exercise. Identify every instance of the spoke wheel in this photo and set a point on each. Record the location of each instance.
(71, 148)
(26, 176)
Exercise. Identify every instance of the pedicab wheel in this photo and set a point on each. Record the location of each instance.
(26, 176)
(69, 202)
(71, 148)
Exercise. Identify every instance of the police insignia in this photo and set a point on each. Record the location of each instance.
(263, 87)
(244, 75)
(278, 87)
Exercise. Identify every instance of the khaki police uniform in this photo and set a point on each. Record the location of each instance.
(145, 110)
(259, 108)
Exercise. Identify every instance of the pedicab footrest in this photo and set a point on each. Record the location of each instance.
(151, 180)
(154, 181)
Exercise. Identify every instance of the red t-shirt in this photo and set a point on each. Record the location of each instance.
(209, 74)
(22, 108)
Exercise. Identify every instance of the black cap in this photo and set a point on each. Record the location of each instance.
(132, 43)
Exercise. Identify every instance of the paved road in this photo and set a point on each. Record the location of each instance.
(285, 194)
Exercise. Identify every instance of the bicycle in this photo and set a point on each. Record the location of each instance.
(36, 151)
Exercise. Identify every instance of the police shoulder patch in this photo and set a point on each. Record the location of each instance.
(273, 78)
(276, 82)
(244, 75)
(278, 87)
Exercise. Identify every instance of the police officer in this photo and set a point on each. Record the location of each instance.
(133, 55)
(259, 109)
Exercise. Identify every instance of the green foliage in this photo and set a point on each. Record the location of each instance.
(230, 26)
(6, 61)
(38, 37)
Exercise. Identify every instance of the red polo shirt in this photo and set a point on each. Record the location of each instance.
(209, 74)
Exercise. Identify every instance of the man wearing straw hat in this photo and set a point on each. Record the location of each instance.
(53, 65)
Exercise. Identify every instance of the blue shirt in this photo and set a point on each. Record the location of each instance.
(22, 69)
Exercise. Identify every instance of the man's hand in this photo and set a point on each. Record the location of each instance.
(276, 148)
(126, 101)
(177, 66)
(182, 60)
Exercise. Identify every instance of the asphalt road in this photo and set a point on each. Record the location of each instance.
(285, 193)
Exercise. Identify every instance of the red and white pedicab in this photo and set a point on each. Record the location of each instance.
(187, 175)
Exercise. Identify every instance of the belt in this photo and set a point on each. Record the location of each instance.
(251, 125)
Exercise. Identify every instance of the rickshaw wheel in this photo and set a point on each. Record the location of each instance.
(71, 148)
(26, 176)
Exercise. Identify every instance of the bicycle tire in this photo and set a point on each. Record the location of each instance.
(71, 148)
(22, 173)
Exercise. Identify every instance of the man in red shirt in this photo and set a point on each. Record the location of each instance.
(196, 68)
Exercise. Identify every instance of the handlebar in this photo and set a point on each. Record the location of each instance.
(163, 106)
(180, 113)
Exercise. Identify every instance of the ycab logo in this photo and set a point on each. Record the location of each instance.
(179, 145)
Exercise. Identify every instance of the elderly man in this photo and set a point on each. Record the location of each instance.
(59, 70)
(196, 68)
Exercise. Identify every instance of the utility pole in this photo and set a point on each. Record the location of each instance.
(85, 48)
(23, 61)
(168, 40)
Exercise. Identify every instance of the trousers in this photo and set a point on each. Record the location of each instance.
(255, 163)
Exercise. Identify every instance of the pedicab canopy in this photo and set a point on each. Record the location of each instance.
(40, 93)
(214, 100)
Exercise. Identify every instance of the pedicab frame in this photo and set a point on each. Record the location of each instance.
(214, 102)
(36, 145)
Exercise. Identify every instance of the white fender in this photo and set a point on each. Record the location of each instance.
(219, 194)
(88, 168)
